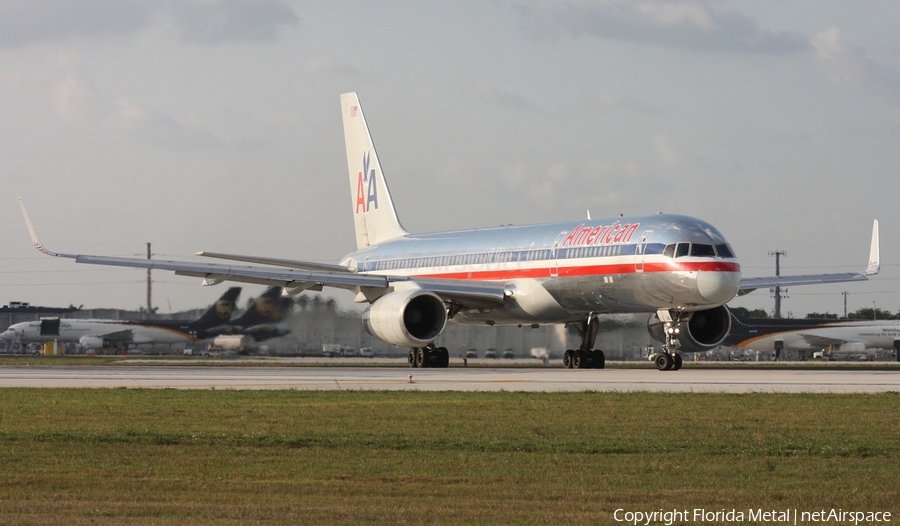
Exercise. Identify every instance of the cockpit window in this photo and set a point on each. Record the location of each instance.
(724, 251)
(703, 251)
(680, 250)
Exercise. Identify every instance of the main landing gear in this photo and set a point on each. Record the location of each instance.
(584, 357)
(429, 356)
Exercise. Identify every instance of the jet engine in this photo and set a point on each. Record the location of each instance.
(93, 342)
(702, 331)
(409, 318)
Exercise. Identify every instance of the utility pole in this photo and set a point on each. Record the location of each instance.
(777, 289)
(845, 293)
(149, 287)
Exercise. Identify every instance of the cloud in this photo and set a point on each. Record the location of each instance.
(681, 24)
(23, 23)
(504, 95)
(79, 103)
(326, 65)
(203, 21)
(216, 21)
(847, 65)
(74, 95)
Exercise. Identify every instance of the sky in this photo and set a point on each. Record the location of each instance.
(215, 125)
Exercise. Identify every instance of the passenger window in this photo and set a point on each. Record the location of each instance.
(682, 250)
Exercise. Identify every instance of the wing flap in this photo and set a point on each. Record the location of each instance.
(289, 263)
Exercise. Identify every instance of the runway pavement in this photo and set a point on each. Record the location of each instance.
(731, 380)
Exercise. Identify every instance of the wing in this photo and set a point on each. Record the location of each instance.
(118, 336)
(748, 285)
(814, 340)
(296, 276)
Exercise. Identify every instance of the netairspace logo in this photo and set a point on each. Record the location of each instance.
(733, 516)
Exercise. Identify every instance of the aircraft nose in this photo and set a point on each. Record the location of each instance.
(718, 287)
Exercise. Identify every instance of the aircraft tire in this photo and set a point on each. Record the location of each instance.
(676, 361)
(443, 357)
(412, 357)
(663, 361)
(422, 357)
(599, 361)
(579, 360)
(567, 359)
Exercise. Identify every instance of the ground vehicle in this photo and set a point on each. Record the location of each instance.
(491, 353)
(472, 353)
(509, 354)
(366, 352)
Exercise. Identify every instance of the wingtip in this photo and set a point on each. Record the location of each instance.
(874, 265)
(35, 240)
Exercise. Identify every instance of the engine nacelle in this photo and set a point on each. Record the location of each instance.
(92, 342)
(854, 347)
(705, 330)
(233, 342)
(409, 318)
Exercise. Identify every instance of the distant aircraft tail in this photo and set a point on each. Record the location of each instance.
(374, 215)
(220, 312)
(269, 307)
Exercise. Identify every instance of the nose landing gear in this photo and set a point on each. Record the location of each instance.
(669, 359)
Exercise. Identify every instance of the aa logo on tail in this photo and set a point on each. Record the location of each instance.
(366, 188)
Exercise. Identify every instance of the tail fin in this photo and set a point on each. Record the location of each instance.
(269, 307)
(374, 215)
(221, 310)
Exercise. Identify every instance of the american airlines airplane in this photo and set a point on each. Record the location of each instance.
(571, 272)
(841, 336)
(97, 333)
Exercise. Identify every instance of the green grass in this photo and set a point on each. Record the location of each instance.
(73, 456)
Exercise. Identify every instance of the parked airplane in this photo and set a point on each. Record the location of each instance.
(680, 267)
(261, 321)
(840, 336)
(98, 334)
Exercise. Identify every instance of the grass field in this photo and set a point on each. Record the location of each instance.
(126, 456)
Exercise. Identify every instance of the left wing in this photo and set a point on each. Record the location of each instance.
(748, 285)
(295, 276)
(126, 335)
(815, 340)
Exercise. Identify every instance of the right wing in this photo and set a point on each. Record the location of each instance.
(296, 276)
(748, 285)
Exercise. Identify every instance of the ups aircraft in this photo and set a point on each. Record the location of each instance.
(100, 333)
(679, 267)
(841, 337)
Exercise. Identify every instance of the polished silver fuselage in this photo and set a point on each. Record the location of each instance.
(563, 272)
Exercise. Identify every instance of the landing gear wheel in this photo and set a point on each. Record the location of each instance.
(568, 358)
(676, 361)
(579, 360)
(411, 359)
(663, 361)
(443, 357)
(422, 358)
(599, 361)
